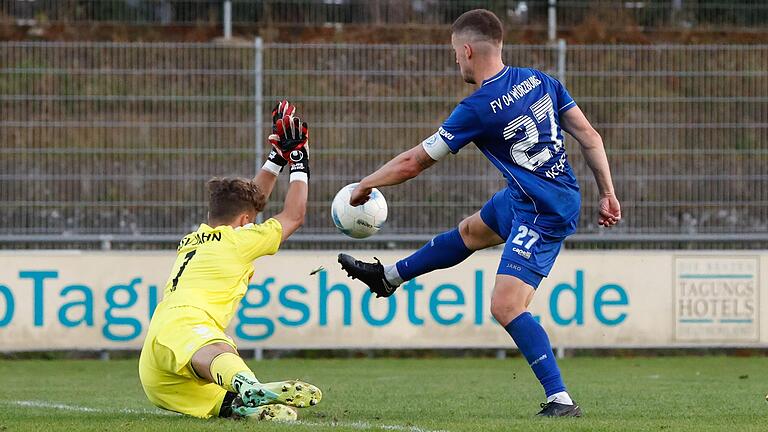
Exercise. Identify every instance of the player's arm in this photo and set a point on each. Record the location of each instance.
(459, 129)
(294, 208)
(575, 123)
(402, 167)
(295, 205)
(265, 180)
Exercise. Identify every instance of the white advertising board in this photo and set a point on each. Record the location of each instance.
(104, 300)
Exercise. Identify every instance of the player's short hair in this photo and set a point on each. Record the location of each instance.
(231, 196)
(480, 24)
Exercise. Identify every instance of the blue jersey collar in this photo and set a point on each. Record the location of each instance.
(495, 77)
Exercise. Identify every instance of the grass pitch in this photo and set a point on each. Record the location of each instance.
(666, 393)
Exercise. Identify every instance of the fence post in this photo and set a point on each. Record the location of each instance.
(562, 48)
(258, 98)
(106, 242)
(227, 19)
(560, 353)
(552, 20)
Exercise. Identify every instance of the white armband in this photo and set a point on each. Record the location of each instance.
(298, 176)
(435, 147)
(272, 167)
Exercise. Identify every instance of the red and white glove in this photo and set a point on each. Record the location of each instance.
(290, 134)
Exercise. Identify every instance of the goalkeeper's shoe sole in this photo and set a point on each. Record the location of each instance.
(294, 393)
(273, 412)
(371, 274)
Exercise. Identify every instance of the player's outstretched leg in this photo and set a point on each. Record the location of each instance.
(443, 251)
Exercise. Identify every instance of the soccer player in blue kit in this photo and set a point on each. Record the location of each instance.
(515, 118)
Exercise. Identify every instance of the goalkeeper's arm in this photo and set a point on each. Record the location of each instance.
(295, 206)
(276, 160)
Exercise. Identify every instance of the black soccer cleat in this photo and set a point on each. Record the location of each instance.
(554, 409)
(371, 274)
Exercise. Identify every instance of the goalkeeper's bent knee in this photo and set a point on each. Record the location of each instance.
(225, 366)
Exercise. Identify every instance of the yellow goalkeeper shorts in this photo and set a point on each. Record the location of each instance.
(166, 374)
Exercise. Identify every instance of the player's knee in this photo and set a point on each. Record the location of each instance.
(469, 236)
(505, 310)
(464, 231)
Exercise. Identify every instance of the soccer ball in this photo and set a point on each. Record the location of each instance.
(361, 221)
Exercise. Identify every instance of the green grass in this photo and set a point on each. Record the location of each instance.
(665, 393)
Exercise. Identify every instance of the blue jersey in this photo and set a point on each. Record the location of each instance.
(514, 119)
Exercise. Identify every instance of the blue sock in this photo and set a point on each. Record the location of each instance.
(443, 251)
(532, 341)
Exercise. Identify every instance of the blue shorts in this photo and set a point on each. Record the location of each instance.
(529, 254)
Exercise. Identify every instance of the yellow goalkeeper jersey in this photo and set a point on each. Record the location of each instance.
(214, 266)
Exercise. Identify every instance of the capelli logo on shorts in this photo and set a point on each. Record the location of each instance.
(522, 253)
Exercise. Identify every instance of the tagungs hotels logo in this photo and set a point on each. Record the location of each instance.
(716, 299)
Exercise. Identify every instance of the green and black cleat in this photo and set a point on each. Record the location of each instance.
(554, 409)
(294, 393)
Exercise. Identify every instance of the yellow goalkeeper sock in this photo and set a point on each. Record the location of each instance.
(226, 367)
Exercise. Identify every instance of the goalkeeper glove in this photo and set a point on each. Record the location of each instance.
(290, 134)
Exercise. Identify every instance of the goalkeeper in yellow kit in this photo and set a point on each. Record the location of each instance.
(187, 363)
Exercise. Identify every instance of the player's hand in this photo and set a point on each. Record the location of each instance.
(609, 211)
(299, 160)
(360, 195)
(290, 134)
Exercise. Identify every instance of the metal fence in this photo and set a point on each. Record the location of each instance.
(118, 139)
(718, 15)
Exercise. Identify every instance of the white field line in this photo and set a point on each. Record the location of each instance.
(364, 426)
(65, 407)
(354, 425)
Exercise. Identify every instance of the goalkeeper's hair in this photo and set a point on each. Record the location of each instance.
(232, 196)
(479, 25)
